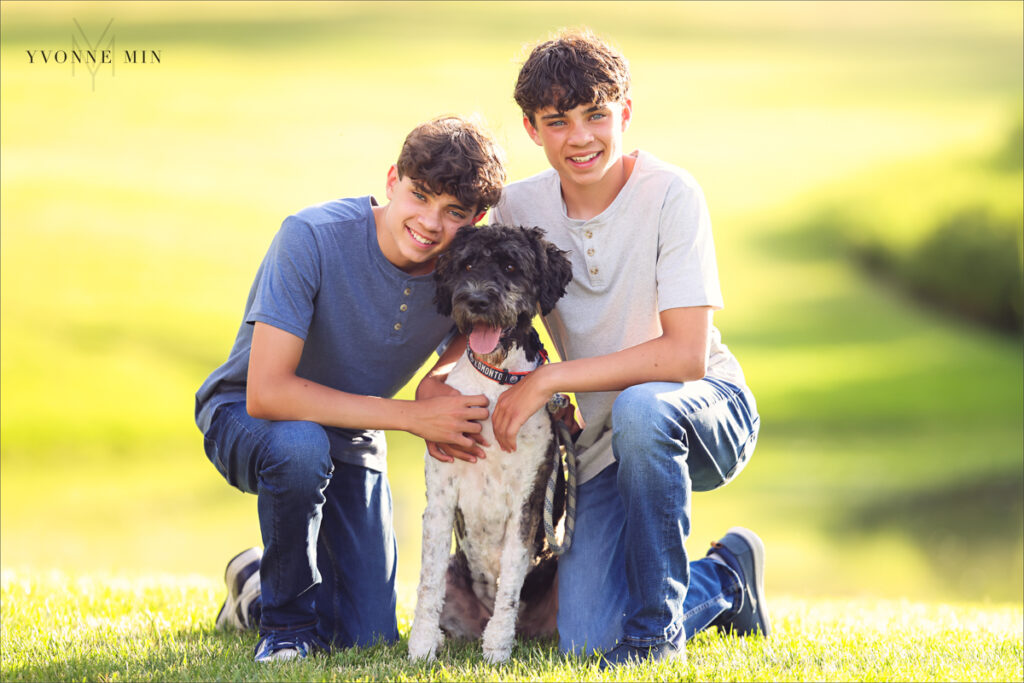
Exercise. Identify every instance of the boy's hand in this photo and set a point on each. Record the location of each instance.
(515, 406)
(458, 418)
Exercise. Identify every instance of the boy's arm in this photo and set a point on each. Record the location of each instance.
(678, 355)
(433, 385)
(275, 392)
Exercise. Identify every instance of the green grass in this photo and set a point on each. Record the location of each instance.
(957, 244)
(158, 628)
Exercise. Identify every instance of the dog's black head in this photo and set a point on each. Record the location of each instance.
(491, 280)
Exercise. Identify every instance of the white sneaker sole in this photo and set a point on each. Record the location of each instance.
(228, 616)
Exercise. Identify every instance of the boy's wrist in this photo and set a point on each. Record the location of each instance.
(546, 377)
(407, 420)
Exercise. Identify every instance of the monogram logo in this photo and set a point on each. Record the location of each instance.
(95, 55)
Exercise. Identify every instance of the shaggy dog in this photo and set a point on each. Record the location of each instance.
(502, 575)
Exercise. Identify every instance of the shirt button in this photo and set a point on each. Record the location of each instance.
(403, 307)
(398, 326)
(588, 234)
(590, 252)
(408, 291)
(593, 271)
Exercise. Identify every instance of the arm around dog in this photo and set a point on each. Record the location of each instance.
(678, 355)
(433, 385)
(275, 392)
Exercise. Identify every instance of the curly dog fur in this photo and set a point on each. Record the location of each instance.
(492, 281)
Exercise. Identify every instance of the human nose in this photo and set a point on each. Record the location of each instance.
(580, 135)
(430, 218)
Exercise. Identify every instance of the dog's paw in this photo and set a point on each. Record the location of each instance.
(423, 646)
(422, 654)
(497, 645)
(498, 655)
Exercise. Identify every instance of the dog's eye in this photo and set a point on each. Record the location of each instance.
(510, 268)
(469, 267)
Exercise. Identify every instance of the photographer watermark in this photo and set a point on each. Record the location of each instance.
(94, 55)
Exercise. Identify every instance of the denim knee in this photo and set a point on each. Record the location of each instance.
(298, 457)
(642, 429)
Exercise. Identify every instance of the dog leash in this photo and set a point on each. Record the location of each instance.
(563, 439)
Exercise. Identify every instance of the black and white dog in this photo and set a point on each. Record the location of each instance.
(501, 579)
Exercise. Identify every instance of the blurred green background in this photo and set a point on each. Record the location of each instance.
(862, 163)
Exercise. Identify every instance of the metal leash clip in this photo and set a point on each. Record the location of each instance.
(557, 402)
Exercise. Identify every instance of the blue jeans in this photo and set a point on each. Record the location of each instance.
(627, 577)
(330, 554)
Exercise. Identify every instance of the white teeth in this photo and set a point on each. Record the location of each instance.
(420, 238)
(581, 160)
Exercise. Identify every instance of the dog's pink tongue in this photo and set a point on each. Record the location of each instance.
(483, 339)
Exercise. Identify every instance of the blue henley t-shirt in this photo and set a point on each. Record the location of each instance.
(368, 326)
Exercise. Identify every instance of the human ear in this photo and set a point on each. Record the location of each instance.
(531, 131)
(389, 186)
(627, 113)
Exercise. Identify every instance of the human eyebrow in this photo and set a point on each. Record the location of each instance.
(422, 189)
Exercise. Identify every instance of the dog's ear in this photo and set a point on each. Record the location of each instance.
(555, 271)
(442, 290)
(444, 268)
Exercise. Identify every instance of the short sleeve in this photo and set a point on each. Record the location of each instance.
(289, 280)
(687, 271)
(497, 214)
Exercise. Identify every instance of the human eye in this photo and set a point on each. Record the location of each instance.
(459, 215)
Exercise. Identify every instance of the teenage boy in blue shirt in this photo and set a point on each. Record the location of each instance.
(666, 406)
(339, 318)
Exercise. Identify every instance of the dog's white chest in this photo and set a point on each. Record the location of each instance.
(493, 490)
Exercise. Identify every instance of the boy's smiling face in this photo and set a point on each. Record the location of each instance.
(417, 225)
(584, 143)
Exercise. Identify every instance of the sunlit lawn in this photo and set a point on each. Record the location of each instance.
(61, 627)
(134, 217)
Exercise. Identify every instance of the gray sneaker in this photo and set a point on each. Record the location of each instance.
(242, 577)
(743, 551)
(278, 646)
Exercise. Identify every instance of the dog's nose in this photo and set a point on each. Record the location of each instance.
(477, 303)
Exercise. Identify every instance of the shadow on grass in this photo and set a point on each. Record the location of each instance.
(970, 531)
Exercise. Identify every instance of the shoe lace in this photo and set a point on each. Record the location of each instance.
(305, 641)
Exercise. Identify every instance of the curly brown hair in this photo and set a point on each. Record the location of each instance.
(455, 155)
(575, 67)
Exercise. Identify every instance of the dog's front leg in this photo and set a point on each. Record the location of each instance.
(426, 637)
(499, 636)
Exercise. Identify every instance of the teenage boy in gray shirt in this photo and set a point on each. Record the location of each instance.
(339, 318)
(665, 403)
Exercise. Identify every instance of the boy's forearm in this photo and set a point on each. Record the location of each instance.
(678, 355)
(298, 399)
(275, 392)
(654, 361)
